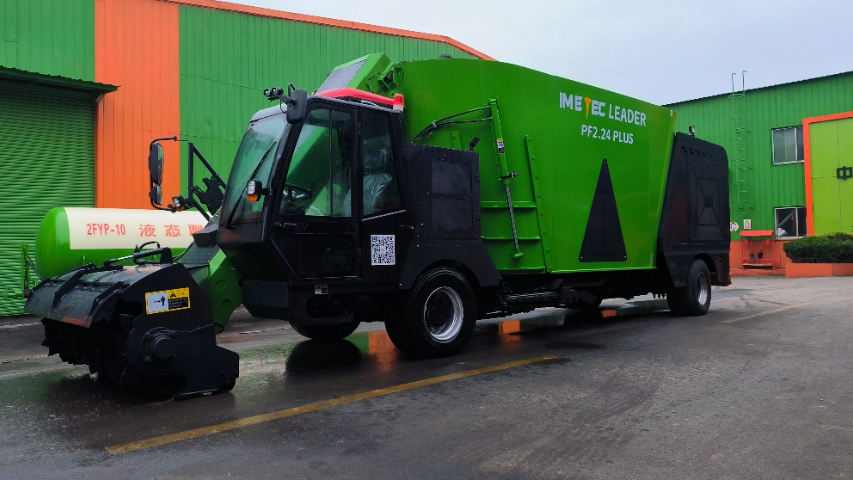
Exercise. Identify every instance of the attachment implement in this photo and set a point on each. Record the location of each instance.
(147, 324)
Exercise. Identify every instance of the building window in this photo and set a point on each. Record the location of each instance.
(791, 222)
(787, 145)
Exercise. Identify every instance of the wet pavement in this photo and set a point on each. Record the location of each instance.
(759, 388)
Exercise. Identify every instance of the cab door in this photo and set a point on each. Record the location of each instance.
(386, 225)
(314, 227)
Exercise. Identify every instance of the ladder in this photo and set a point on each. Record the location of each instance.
(739, 180)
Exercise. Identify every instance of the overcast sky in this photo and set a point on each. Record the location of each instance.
(661, 51)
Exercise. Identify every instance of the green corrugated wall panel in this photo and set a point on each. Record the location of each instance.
(51, 37)
(770, 186)
(228, 59)
(47, 156)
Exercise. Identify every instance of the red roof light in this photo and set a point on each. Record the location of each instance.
(399, 102)
(342, 93)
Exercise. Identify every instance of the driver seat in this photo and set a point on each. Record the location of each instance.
(375, 179)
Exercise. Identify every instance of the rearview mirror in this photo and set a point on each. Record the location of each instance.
(156, 195)
(155, 164)
(296, 106)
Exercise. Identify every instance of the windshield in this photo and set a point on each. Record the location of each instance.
(253, 161)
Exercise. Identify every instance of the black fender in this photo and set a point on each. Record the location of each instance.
(472, 255)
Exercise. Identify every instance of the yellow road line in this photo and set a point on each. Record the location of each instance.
(312, 407)
(769, 312)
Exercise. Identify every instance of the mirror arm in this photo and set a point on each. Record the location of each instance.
(190, 202)
(170, 208)
(214, 176)
(174, 139)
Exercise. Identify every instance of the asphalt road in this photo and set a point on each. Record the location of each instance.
(759, 388)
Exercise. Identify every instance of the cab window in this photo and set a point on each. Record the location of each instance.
(380, 193)
(319, 177)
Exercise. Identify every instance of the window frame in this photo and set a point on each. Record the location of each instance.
(798, 132)
(290, 150)
(394, 160)
(801, 226)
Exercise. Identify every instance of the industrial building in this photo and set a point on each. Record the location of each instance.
(85, 85)
(790, 150)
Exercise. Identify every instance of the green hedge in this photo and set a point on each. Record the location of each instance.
(829, 248)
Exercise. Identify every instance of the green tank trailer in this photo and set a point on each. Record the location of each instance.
(425, 195)
(69, 238)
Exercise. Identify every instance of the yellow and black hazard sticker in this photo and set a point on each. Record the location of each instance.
(167, 300)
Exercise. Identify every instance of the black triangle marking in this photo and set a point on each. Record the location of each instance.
(603, 241)
(173, 295)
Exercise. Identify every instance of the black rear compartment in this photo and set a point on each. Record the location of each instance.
(697, 196)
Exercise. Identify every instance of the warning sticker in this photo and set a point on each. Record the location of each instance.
(168, 300)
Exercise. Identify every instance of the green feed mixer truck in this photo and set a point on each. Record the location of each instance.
(425, 195)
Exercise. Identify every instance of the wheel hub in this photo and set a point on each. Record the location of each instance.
(702, 289)
(443, 314)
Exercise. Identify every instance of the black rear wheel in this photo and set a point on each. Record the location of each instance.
(438, 318)
(325, 333)
(694, 299)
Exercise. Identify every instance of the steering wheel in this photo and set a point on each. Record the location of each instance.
(305, 194)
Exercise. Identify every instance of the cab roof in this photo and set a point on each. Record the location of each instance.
(343, 94)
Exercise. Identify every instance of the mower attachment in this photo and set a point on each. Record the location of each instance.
(149, 325)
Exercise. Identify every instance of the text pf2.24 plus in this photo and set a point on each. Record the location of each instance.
(592, 131)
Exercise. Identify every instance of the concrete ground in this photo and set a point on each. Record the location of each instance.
(758, 388)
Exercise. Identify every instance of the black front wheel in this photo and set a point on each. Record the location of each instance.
(694, 299)
(325, 333)
(438, 318)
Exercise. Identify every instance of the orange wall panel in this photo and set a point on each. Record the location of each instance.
(136, 48)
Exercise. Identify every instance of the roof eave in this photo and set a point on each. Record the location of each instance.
(296, 17)
(33, 78)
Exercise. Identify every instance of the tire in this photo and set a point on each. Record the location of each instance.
(438, 318)
(326, 333)
(227, 386)
(394, 327)
(694, 299)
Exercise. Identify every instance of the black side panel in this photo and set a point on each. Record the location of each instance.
(603, 241)
(452, 187)
(446, 190)
(695, 218)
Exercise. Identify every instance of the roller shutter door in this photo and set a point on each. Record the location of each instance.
(47, 159)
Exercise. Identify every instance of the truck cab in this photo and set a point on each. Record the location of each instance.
(328, 231)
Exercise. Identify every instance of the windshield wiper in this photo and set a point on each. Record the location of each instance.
(255, 172)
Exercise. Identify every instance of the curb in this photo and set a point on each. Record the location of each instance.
(19, 320)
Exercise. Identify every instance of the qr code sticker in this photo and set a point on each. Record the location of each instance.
(382, 250)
